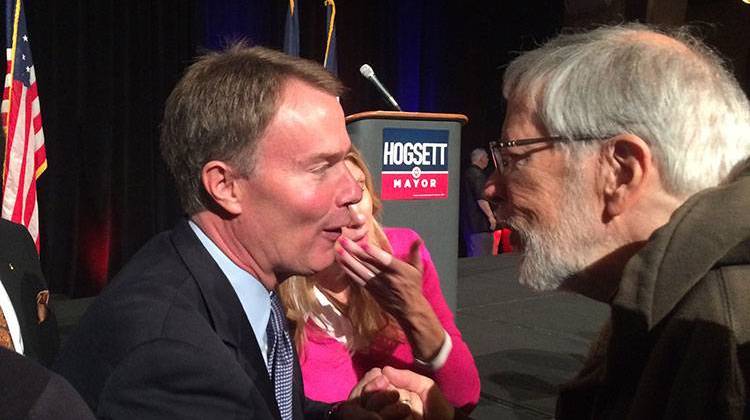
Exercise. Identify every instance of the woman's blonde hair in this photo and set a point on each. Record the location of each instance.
(369, 321)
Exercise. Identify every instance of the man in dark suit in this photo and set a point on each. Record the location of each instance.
(477, 218)
(26, 323)
(189, 328)
(28, 328)
(29, 391)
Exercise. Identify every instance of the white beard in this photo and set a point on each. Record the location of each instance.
(557, 252)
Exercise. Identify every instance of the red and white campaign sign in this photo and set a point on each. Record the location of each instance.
(415, 164)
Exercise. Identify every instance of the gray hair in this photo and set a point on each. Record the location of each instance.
(477, 154)
(675, 95)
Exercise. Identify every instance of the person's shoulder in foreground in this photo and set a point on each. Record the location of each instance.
(21, 277)
(29, 391)
(150, 340)
(682, 305)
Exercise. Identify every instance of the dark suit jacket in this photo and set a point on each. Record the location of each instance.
(472, 189)
(168, 338)
(22, 278)
(29, 391)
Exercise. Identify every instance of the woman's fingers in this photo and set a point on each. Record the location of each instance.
(378, 254)
(360, 264)
(352, 275)
(355, 268)
(368, 253)
(368, 381)
(415, 258)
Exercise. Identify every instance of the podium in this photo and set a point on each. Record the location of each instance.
(416, 167)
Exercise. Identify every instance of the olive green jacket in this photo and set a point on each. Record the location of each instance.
(677, 344)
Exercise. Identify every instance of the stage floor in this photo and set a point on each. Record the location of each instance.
(525, 343)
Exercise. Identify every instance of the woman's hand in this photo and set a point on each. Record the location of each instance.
(397, 286)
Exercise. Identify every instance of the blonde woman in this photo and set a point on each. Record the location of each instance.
(345, 324)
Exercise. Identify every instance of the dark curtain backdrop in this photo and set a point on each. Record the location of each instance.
(105, 67)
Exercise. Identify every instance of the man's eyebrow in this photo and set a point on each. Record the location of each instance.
(323, 156)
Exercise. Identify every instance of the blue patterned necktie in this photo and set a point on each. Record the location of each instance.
(280, 357)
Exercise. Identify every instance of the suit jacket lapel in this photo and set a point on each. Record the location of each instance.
(224, 310)
(13, 282)
(298, 388)
(23, 280)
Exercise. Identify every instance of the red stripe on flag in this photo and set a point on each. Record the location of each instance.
(18, 211)
(11, 129)
(28, 153)
(40, 156)
(37, 121)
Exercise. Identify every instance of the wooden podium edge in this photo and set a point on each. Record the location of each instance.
(396, 115)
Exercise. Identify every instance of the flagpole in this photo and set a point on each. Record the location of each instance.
(330, 29)
(16, 16)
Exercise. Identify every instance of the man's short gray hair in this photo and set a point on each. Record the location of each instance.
(668, 89)
(477, 154)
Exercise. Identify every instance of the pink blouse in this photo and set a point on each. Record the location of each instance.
(329, 372)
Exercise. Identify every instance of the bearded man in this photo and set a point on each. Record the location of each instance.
(616, 170)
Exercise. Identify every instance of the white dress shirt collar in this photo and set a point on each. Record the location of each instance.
(253, 296)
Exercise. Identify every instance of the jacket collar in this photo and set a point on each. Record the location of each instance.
(224, 310)
(707, 231)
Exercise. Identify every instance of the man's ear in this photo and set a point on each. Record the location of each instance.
(627, 167)
(221, 183)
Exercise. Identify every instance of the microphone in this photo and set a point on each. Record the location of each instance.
(369, 74)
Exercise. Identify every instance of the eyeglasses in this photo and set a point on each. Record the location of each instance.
(503, 163)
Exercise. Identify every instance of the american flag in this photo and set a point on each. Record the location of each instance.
(25, 158)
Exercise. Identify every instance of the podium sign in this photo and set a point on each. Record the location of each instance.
(415, 164)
